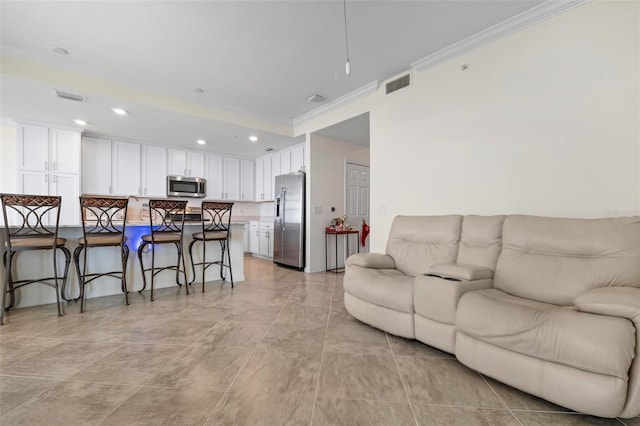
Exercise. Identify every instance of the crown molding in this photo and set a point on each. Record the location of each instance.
(509, 26)
(365, 90)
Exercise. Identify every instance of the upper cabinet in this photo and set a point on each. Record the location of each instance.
(231, 178)
(125, 169)
(246, 180)
(154, 171)
(96, 166)
(214, 176)
(49, 149)
(270, 166)
(185, 163)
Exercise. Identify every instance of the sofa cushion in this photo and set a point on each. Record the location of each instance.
(481, 240)
(417, 242)
(596, 343)
(389, 288)
(555, 260)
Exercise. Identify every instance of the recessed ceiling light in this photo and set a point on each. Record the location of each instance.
(80, 122)
(253, 138)
(201, 142)
(119, 111)
(198, 89)
(60, 50)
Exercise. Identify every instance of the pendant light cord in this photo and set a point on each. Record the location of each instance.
(346, 35)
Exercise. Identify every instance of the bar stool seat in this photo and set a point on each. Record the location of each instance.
(37, 242)
(103, 225)
(27, 227)
(162, 238)
(210, 235)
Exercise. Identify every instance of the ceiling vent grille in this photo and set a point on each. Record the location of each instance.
(69, 96)
(398, 83)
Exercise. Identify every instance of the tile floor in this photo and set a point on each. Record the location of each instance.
(279, 349)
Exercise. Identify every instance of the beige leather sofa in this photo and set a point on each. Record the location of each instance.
(550, 306)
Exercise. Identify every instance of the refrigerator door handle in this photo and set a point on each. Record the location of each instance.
(283, 197)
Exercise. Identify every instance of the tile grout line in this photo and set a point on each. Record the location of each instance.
(324, 342)
(255, 349)
(500, 398)
(34, 397)
(404, 385)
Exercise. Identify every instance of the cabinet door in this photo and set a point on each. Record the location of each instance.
(231, 179)
(33, 149)
(126, 168)
(285, 162)
(68, 187)
(266, 237)
(254, 237)
(196, 164)
(177, 162)
(268, 180)
(275, 171)
(65, 151)
(96, 166)
(246, 181)
(214, 177)
(259, 188)
(154, 171)
(33, 183)
(297, 159)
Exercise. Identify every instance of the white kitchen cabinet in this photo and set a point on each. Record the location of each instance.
(33, 148)
(266, 239)
(214, 176)
(231, 178)
(264, 179)
(63, 184)
(185, 163)
(254, 237)
(154, 171)
(246, 179)
(49, 164)
(125, 168)
(65, 151)
(297, 159)
(285, 161)
(247, 238)
(96, 166)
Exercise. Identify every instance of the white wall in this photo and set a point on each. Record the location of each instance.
(326, 184)
(8, 163)
(545, 121)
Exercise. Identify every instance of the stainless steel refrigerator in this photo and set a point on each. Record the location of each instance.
(288, 226)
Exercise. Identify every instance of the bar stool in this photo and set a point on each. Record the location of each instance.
(103, 225)
(169, 230)
(29, 229)
(216, 226)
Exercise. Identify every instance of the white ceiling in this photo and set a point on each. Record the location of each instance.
(257, 61)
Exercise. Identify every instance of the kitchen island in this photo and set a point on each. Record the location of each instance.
(39, 264)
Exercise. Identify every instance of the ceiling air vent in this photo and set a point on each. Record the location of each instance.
(268, 149)
(398, 83)
(69, 96)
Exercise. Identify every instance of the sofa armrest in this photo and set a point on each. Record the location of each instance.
(371, 260)
(614, 301)
(460, 271)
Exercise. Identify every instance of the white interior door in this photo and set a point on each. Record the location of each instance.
(357, 198)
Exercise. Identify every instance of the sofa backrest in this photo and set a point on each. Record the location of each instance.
(555, 260)
(481, 240)
(417, 242)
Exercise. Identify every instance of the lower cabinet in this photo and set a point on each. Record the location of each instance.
(261, 239)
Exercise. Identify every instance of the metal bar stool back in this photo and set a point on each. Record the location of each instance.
(31, 223)
(166, 218)
(103, 225)
(216, 226)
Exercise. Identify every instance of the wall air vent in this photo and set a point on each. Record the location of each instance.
(69, 96)
(268, 149)
(398, 83)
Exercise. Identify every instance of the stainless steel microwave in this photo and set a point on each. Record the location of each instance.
(184, 186)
